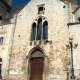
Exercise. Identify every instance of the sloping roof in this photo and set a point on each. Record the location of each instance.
(17, 9)
(7, 5)
(76, 9)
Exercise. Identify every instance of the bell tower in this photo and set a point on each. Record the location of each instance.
(5, 6)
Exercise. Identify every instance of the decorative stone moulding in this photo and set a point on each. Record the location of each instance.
(41, 42)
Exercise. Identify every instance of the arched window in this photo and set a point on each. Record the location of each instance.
(45, 30)
(39, 29)
(33, 31)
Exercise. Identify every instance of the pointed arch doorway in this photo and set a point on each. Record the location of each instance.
(37, 61)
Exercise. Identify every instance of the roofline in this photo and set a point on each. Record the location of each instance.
(22, 4)
(76, 9)
(6, 4)
(64, 2)
(28, 2)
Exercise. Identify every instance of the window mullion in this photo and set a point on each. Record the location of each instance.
(36, 31)
(42, 30)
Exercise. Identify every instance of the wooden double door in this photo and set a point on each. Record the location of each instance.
(37, 68)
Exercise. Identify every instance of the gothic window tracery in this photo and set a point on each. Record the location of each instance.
(33, 31)
(39, 30)
(45, 30)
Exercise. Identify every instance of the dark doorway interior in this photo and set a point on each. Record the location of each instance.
(0, 72)
(36, 68)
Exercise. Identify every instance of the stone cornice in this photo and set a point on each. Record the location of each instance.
(73, 23)
(76, 9)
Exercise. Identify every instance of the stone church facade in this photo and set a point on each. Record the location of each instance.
(34, 43)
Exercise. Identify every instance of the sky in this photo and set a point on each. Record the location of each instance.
(19, 2)
(78, 2)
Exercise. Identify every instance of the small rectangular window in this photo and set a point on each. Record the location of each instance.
(41, 9)
(1, 40)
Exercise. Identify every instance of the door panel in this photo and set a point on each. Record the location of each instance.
(36, 68)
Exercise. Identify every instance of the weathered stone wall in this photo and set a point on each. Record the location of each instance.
(77, 15)
(5, 31)
(17, 9)
(75, 32)
(58, 59)
(73, 3)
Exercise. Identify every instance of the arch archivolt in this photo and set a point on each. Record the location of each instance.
(45, 63)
